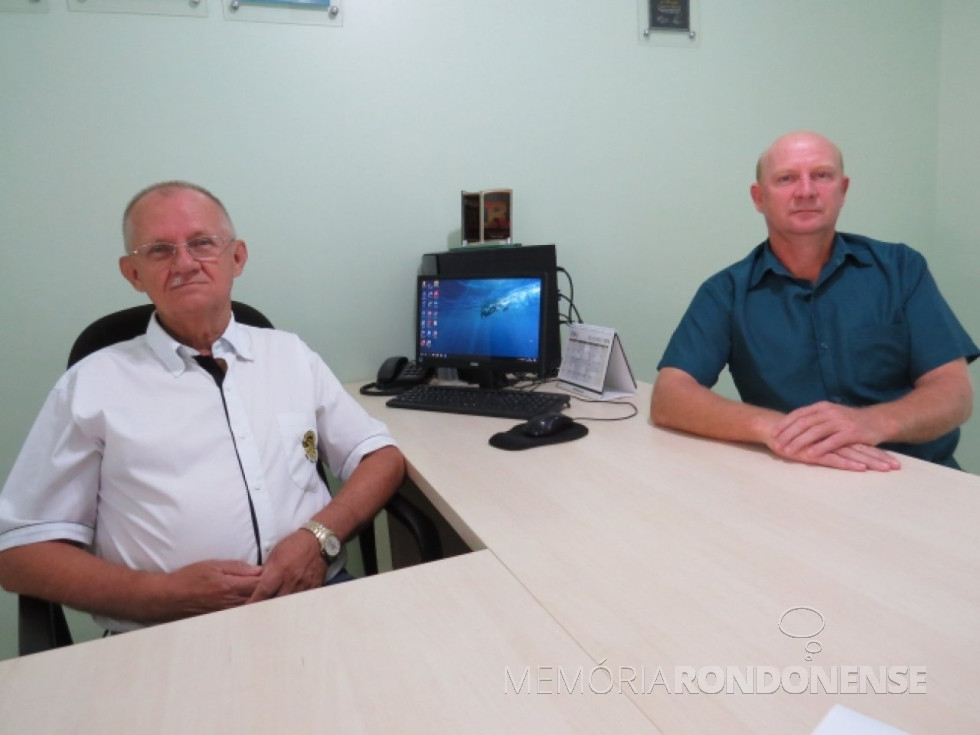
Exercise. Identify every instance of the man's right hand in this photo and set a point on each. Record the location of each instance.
(856, 457)
(680, 402)
(830, 435)
(63, 572)
(208, 586)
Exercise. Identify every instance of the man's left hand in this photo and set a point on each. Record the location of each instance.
(295, 565)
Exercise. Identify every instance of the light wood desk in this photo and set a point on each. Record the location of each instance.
(423, 650)
(656, 550)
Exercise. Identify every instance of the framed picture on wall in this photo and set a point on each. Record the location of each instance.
(670, 15)
(315, 3)
(24, 6)
(142, 7)
(303, 12)
(668, 22)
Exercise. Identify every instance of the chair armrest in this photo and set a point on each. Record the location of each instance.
(422, 528)
(41, 626)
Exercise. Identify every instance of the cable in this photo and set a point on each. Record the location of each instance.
(607, 418)
(530, 381)
(373, 389)
(570, 298)
(571, 307)
(534, 384)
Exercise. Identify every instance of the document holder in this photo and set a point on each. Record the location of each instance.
(595, 364)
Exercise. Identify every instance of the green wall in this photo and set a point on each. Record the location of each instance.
(955, 252)
(341, 152)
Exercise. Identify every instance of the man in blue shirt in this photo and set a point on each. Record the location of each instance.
(840, 346)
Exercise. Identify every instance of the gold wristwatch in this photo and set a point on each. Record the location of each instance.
(328, 540)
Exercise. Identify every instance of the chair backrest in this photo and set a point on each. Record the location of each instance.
(120, 326)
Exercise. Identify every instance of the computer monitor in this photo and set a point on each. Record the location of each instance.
(484, 326)
(509, 261)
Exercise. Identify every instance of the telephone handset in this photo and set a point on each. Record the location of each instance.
(396, 375)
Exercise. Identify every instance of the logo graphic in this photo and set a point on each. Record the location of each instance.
(803, 622)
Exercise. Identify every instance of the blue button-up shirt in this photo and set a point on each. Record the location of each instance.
(863, 333)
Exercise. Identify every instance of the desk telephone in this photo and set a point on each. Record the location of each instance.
(396, 375)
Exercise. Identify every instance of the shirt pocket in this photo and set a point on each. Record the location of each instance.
(880, 356)
(299, 440)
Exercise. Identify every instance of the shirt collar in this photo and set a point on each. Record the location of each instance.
(235, 342)
(767, 262)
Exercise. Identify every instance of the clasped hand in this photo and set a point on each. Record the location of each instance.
(294, 565)
(833, 436)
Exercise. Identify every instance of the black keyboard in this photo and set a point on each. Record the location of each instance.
(508, 404)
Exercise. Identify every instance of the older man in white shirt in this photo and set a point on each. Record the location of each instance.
(175, 474)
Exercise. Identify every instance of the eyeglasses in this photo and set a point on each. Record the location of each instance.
(203, 247)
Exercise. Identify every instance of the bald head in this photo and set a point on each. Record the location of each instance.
(166, 189)
(794, 141)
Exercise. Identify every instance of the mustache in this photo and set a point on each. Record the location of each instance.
(177, 281)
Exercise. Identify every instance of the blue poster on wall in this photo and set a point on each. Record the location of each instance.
(318, 3)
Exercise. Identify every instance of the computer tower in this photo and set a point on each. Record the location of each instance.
(508, 260)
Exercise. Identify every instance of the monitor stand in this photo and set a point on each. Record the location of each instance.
(484, 378)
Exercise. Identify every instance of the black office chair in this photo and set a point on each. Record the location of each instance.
(42, 625)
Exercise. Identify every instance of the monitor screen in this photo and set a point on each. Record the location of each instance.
(509, 261)
(488, 326)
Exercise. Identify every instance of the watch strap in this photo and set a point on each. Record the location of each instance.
(327, 539)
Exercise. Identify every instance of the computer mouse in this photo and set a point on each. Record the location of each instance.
(547, 424)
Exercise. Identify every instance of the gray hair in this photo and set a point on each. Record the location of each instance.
(168, 187)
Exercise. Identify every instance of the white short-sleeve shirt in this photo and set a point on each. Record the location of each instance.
(136, 455)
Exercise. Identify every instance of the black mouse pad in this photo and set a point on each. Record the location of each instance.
(515, 439)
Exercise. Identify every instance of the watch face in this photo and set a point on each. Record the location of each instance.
(332, 545)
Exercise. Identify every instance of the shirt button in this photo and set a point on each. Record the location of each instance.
(823, 346)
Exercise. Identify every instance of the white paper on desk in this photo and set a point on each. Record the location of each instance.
(843, 721)
(595, 364)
